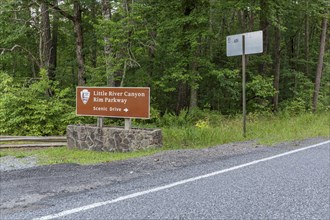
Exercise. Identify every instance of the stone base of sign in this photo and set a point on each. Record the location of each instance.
(88, 137)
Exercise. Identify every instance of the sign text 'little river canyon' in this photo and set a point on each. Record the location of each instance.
(118, 102)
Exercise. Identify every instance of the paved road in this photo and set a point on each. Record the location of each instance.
(268, 183)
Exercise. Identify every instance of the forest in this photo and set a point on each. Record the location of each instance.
(175, 47)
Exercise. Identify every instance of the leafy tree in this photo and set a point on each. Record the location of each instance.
(28, 110)
(176, 47)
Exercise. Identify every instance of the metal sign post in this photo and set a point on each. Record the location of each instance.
(100, 122)
(243, 44)
(128, 123)
(243, 86)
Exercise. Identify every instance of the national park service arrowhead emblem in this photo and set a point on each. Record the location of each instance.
(84, 95)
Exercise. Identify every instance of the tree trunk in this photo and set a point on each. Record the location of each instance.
(106, 13)
(53, 54)
(277, 66)
(191, 67)
(46, 40)
(182, 102)
(307, 44)
(193, 97)
(124, 74)
(94, 37)
(264, 26)
(77, 26)
(151, 56)
(46, 45)
(117, 78)
(194, 71)
(77, 23)
(193, 86)
(317, 84)
(251, 23)
(211, 24)
(194, 83)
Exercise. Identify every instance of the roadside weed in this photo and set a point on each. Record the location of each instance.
(267, 130)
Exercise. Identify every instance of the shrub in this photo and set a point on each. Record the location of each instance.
(31, 111)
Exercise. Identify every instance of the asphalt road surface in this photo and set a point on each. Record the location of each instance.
(289, 181)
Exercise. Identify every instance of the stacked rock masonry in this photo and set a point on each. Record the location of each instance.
(88, 137)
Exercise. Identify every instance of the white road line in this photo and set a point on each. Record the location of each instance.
(134, 195)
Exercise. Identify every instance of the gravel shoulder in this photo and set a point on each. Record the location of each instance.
(8, 163)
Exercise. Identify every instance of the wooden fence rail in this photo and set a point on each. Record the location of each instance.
(28, 142)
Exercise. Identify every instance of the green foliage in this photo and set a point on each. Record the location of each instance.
(221, 90)
(171, 120)
(31, 111)
(294, 107)
(171, 46)
(260, 90)
(193, 117)
(17, 39)
(297, 98)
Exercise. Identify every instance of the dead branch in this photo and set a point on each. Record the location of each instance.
(16, 46)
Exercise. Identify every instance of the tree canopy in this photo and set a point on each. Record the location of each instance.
(175, 47)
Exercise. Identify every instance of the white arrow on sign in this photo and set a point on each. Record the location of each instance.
(126, 110)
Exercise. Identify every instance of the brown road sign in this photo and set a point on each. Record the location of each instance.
(118, 102)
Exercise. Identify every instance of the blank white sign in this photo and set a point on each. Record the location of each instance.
(253, 43)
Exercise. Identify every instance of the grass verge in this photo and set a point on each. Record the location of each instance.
(60, 155)
(266, 130)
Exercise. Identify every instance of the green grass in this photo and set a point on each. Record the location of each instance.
(59, 155)
(266, 130)
(20, 155)
(194, 137)
(300, 127)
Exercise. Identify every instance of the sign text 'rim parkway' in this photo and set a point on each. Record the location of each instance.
(117, 102)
